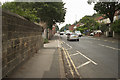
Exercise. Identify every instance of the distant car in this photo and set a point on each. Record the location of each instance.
(78, 33)
(68, 32)
(73, 36)
(61, 33)
(92, 34)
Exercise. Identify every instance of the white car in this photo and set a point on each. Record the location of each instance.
(68, 32)
(92, 34)
(62, 33)
(73, 36)
(78, 33)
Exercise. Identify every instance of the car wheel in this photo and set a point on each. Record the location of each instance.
(77, 39)
(79, 35)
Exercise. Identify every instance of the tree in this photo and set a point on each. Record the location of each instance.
(62, 29)
(116, 26)
(48, 12)
(107, 8)
(0, 4)
(89, 22)
(23, 9)
(57, 28)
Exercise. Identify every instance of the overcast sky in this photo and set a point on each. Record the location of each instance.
(76, 9)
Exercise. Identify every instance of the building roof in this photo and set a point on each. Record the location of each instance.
(100, 18)
(117, 13)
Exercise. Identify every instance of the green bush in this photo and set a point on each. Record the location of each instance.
(46, 41)
(116, 26)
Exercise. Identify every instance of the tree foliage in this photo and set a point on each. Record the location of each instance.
(116, 26)
(66, 27)
(48, 12)
(107, 8)
(23, 9)
(82, 28)
(89, 23)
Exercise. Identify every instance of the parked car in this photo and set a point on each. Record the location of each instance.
(73, 36)
(61, 33)
(92, 34)
(68, 32)
(78, 33)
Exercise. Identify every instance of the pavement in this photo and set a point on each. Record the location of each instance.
(46, 63)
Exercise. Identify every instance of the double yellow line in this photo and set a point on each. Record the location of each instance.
(71, 63)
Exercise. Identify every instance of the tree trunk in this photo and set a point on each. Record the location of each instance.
(47, 33)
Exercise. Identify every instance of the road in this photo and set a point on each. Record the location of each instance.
(93, 57)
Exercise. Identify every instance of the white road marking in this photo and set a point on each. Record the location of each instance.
(105, 40)
(74, 54)
(92, 38)
(109, 47)
(73, 64)
(83, 64)
(68, 45)
(88, 58)
(63, 41)
(89, 41)
(113, 41)
(59, 45)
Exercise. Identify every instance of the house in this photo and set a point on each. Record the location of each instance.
(104, 20)
(117, 15)
(71, 28)
(44, 26)
(53, 29)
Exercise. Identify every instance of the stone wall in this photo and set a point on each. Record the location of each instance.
(20, 40)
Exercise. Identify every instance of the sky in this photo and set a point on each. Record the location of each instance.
(2, 1)
(76, 9)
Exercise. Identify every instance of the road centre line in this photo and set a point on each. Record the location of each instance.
(109, 47)
(87, 58)
(83, 64)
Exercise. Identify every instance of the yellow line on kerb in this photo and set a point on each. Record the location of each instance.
(68, 63)
(67, 55)
(73, 64)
